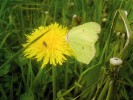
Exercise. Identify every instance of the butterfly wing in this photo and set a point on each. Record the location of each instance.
(83, 52)
(81, 40)
(85, 33)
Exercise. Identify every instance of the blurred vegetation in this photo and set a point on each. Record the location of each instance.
(22, 79)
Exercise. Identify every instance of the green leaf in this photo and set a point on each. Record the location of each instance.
(92, 75)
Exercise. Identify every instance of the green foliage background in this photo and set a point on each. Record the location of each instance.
(22, 79)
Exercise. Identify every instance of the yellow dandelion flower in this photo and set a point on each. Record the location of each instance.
(51, 48)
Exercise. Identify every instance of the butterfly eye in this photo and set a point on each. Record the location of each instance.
(44, 43)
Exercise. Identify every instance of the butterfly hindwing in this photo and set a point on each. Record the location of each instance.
(83, 53)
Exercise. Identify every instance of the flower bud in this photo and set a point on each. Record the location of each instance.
(115, 61)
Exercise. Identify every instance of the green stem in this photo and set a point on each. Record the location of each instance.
(68, 91)
(80, 78)
(100, 84)
(104, 90)
(87, 88)
(36, 79)
(88, 69)
(55, 10)
(66, 75)
(83, 10)
(110, 92)
(54, 81)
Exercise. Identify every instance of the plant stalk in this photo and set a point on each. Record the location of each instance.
(54, 81)
(110, 92)
(104, 90)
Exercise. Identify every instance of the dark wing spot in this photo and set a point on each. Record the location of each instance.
(44, 43)
(82, 47)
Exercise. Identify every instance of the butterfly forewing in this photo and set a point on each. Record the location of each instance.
(86, 32)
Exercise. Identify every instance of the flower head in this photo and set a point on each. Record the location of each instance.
(115, 61)
(51, 47)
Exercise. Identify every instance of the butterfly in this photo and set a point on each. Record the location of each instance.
(82, 39)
